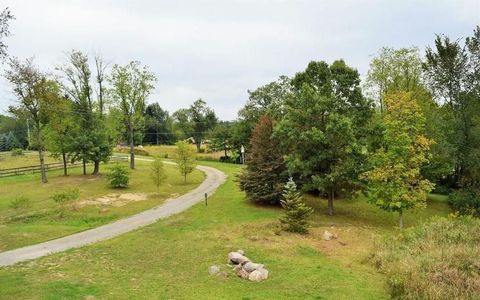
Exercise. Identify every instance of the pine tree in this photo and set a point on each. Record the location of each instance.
(296, 212)
(264, 177)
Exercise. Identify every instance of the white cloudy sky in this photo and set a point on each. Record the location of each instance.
(217, 50)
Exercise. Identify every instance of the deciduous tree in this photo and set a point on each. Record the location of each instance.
(131, 86)
(395, 183)
(37, 96)
(185, 159)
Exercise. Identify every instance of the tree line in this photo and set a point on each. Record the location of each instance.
(411, 128)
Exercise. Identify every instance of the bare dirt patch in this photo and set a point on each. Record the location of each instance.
(116, 200)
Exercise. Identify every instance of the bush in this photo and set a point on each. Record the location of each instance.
(17, 152)
(466, 201)
(118, 176)
(65, 198)
(20, 203)
(437, 260)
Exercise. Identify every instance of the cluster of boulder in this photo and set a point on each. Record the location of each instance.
(244, 267)
(247, 269)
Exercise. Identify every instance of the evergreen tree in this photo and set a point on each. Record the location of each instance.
(296, 212)
(264, 177)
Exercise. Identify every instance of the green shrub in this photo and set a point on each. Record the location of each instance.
(66, 199)
(21, 203)
(437, 260)
(165, 155)
(296, 212)
(118, 176)
(466, 201)
(17, 152)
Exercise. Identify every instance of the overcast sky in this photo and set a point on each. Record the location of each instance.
(217, 50)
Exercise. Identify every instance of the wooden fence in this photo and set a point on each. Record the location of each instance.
(48, 167)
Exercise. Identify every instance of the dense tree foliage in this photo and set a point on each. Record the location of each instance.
(265, 174)
(93, 142)
(131, 86)
(322, 130)
(158, 126)
(395, 183)
(196, 121)
(37, 96)
(452, 73)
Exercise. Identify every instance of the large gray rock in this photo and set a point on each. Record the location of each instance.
(237, 258)
(250, 266)
(258, 275)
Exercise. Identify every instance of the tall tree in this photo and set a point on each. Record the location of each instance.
(158, 125)
(394, 69)
(5, 18)
(61, 132)
(196, 121)
(264, 100)
(93, 142)
(401, 70)
(37, 96)
(322, 130)
(221, 138)
(131, 86)
(452, 73)
(265, 175)
(395, 183)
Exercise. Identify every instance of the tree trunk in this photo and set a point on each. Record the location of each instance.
(185, 176)
(64, 158)
(331, 195)
(96, 168)
(401, 220)
(43, 172)
(199, 145)
(132, 148)
(225, 149)
(84, 166)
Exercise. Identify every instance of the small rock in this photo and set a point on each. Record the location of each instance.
(258, 275)
(242, 273)
(237, 258)
(250, 266)
(213, 270)
(327, 236)
(241, 252)
(342, 243)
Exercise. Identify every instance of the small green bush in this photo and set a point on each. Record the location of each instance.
(436, 260)
(66, 199)
(21, 203)
(165, 155)
(17, 152)
(118, 176)
(466, 201)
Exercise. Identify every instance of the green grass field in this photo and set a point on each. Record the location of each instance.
(169, 259)
(42, 220)
(29, 158)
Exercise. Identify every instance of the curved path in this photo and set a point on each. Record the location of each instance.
(170, 207)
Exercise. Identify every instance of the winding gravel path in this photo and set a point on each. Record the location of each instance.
(214, 178)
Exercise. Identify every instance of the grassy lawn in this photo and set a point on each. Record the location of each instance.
(169, 259)
(29, 158)
(42, 222)
(169, 150)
